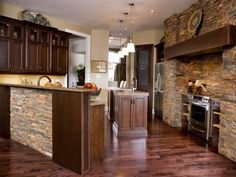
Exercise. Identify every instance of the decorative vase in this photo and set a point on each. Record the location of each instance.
(81, 77)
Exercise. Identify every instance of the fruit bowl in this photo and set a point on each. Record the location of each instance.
(96, 92)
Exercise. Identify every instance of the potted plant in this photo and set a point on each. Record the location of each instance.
(80, 72)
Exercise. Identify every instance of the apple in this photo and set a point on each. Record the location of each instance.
(88, 85)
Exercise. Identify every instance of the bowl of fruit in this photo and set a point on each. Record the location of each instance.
(94, 87)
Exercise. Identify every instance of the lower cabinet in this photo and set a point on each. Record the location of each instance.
(131, 115)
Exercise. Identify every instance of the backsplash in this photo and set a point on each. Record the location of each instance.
(218, 70)
(17, 79)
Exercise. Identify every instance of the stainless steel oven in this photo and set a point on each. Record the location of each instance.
(200, 116)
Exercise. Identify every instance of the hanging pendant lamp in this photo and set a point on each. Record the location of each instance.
(130, 45)
(120, 53)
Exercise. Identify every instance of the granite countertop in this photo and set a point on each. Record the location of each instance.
(130, 93)
(49, 88)
(96, 103)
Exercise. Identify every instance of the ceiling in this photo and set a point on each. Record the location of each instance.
(105, 14)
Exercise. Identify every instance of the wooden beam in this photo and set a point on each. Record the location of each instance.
(211, 42)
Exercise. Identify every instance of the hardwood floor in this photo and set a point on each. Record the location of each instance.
(166, 152)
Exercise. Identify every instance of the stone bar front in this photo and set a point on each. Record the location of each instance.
(31, 118)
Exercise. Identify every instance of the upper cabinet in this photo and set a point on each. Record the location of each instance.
(60, 50)
(29, 48)
(38, 58)
(12, 44)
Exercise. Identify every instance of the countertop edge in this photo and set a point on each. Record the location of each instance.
(78, 90)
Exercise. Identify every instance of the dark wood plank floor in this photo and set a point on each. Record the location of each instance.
(166, 152)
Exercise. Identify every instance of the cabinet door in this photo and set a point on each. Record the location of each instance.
(4, 54)
(139, 113)
(125, 112)
(17, 56)
(60, 59)
(32, 57)
(55, 58)
(43, 64)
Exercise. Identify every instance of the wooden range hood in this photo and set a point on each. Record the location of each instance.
(210, 42)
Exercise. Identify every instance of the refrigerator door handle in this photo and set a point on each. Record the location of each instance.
(158, 82)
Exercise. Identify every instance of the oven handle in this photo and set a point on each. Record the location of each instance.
(202, 131)
(200, 104)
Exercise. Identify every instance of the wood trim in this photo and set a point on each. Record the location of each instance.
(213, 41)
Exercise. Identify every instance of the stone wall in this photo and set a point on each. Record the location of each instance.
(31, 118)
(218, 69)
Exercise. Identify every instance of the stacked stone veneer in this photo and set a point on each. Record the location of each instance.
(31, 118)
(217, 69)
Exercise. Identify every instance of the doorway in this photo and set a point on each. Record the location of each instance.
(79, 53)
(144, 72)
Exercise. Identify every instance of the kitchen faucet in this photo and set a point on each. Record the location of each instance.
(134, 84)
(44, 76)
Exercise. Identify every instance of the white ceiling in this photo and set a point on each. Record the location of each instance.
(104, 14)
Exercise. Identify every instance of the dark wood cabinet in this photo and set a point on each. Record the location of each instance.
(125, 119)
(130, 115)
(133, 112)
(12, 43)
(32, 57)
(4, 54)
(29, 48)
(38, 59)
(60, 52)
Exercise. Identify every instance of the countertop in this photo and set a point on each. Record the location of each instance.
(130, 93)
(96, 103)
(83, 90)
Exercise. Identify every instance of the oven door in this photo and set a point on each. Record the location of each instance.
(199, 119)
(199, 113)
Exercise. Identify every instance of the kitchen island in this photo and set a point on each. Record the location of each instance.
(54, 121)
(129, 112)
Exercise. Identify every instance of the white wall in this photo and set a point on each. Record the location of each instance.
(99, 51)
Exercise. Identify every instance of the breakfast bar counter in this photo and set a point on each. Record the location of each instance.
(54, 121)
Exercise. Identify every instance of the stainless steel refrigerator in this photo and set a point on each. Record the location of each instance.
(159, 71)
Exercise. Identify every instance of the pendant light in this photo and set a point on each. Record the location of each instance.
(125, 51)
(120, 54)
(130, 45)
(124, 48)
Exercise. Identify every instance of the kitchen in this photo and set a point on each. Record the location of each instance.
(216, 69)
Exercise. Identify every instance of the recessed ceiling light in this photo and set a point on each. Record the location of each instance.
(152, 11)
